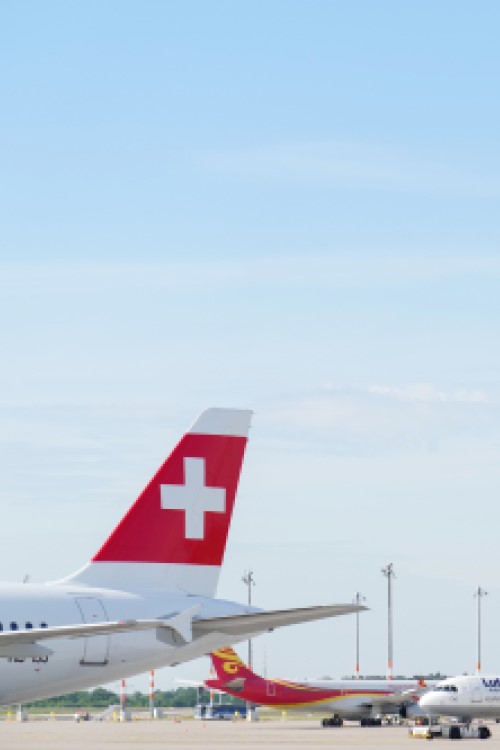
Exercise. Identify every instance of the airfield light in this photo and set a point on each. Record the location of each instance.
(478, 594)
(388, 572)
(358, 598)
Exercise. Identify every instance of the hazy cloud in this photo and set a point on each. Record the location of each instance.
(350, 165)
(380, 419)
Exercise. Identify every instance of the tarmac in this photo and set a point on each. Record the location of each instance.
(215, 735)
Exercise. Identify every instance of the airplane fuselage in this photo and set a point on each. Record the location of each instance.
(347, 698)
(351, 701)
(78, 663)
(466, 696)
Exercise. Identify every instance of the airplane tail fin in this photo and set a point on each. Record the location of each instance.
(174, 536)
(228, 665)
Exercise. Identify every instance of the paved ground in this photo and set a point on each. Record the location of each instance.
(144, 735)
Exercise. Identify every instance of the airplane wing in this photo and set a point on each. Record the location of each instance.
(405, 696)
(14, 637)
(386, 703)
(27, 643)
(260, 622)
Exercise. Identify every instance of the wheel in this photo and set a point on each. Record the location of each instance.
(484, 733)
(455, 733)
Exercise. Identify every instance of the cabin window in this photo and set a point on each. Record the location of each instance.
(14, 626)
(29, 626)
(43, 625)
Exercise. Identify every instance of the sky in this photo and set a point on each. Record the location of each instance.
(284, 206)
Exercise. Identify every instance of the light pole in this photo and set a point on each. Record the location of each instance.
(357, 600)
(478, 594)
(388, 572)
(152, 694)
(249, 581)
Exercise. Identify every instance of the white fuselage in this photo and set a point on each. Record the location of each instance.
(355, 699)
(79, 663)
(465, 696)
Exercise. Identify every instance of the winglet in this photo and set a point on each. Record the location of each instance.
(182, 623)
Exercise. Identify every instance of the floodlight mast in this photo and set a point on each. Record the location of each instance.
(478, 594)
(388, 572)
(358, 599)
(249, 581)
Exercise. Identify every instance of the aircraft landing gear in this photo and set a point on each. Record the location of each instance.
(332, 721)
(368, 721)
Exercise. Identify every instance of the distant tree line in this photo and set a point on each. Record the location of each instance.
(102, 698)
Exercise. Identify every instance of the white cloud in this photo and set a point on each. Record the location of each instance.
(380, 419)
(342, 269)
(349, 165)
(429, 393)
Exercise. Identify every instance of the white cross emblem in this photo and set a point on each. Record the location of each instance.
(193, 497)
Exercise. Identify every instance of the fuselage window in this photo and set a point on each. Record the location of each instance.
(29, 626)
(14, 626)
(1, 626)
(43, 625)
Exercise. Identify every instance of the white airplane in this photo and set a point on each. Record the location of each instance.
(467, 697)
(146, 598)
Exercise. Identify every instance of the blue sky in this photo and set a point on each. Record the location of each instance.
(286, 206)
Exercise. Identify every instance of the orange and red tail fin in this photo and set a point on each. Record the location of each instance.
(228, 665)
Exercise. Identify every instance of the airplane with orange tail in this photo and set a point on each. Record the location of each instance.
(358, 699)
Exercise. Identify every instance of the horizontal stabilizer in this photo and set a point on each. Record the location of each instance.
(260, 622)
(237, 684)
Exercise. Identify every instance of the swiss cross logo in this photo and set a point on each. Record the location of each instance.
(194, 498)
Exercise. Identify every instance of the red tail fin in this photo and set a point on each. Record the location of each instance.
(228, 665)
(174, 535)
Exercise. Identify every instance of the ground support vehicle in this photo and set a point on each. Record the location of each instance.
(451, 731)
